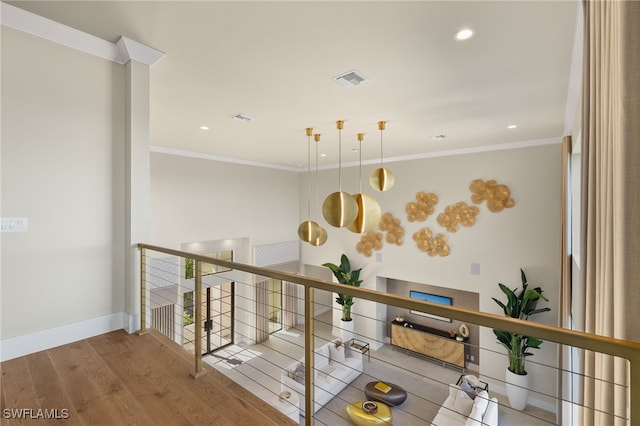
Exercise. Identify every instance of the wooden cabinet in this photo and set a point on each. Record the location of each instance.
(426, 341)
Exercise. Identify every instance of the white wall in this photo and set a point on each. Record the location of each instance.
(526, 235)
(222, 205)
(62, 168)
(202, 200)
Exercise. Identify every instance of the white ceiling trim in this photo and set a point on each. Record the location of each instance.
(53, 31)
(133, 50)
(446, 153)
(120, 53)
(191, 154)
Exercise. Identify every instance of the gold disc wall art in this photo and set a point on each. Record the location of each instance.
(433, 245)
(369, 242)
(422, 207)
(458, 213)
(395, 231)
(497, 196)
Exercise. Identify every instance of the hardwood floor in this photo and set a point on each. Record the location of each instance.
(122, 379)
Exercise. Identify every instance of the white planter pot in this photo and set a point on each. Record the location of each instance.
(346, 330)
(517, 389)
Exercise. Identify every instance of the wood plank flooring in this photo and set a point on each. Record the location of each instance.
(123, 379)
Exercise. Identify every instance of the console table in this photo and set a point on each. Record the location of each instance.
(437, 344)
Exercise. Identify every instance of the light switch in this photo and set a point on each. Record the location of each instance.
(15, 224)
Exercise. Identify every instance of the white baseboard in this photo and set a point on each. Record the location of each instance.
(14, 347)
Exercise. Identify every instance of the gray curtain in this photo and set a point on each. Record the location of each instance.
(611, 199)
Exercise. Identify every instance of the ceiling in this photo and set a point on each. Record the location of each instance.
(275, 62)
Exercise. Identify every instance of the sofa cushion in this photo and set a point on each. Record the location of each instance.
(326, 371)
(299, 373)
(478, 410)
(321, 357)
(475, 418)
(463, 403)
(336, 353)
(482, 401)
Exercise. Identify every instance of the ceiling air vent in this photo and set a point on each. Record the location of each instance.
(351, 78)
(242, 117)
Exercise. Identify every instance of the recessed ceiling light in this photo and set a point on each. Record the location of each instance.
(204, 127)
(438, 137)
(323, 155)
(512, 126)
(464, 34)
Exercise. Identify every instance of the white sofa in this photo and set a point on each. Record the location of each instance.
(336, 365)
(460, 409)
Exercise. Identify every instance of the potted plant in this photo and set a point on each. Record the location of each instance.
(345, 275)
(520, 304)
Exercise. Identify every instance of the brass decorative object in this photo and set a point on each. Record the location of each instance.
(458, 214)
(309, 230)
(381, 179)
(395, 231)
(422, 207)
(368, 208)
(322, 238)
(368, 242)
(497, 196)
(339, 209)
(433, 245)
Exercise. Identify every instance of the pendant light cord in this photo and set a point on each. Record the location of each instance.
(340, 159)
(309, 177)
(317, 139)
(360, 136)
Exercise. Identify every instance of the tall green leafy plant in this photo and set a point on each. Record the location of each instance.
(345, 275)
(520, 304)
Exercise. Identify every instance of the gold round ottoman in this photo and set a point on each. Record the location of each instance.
(360, 418)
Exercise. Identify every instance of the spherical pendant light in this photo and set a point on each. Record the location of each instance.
(339, 208)
(368, 208)
(381, 179)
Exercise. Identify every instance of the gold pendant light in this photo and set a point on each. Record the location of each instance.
(309, 230)
(381, 179)
(322, 235)
(340, 208)
(368, 208)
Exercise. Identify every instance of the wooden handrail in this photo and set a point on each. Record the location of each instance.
(607, 345)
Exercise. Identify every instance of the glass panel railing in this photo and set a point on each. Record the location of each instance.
(419, 369)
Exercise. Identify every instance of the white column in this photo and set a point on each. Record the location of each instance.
(138, 59)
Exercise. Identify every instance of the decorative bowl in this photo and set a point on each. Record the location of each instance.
(284, 396)
(369, 407)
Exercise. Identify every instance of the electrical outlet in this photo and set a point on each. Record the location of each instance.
(473, 358)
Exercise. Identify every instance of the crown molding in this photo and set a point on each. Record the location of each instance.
(120, 53)
(446, 153)
(191, 154)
